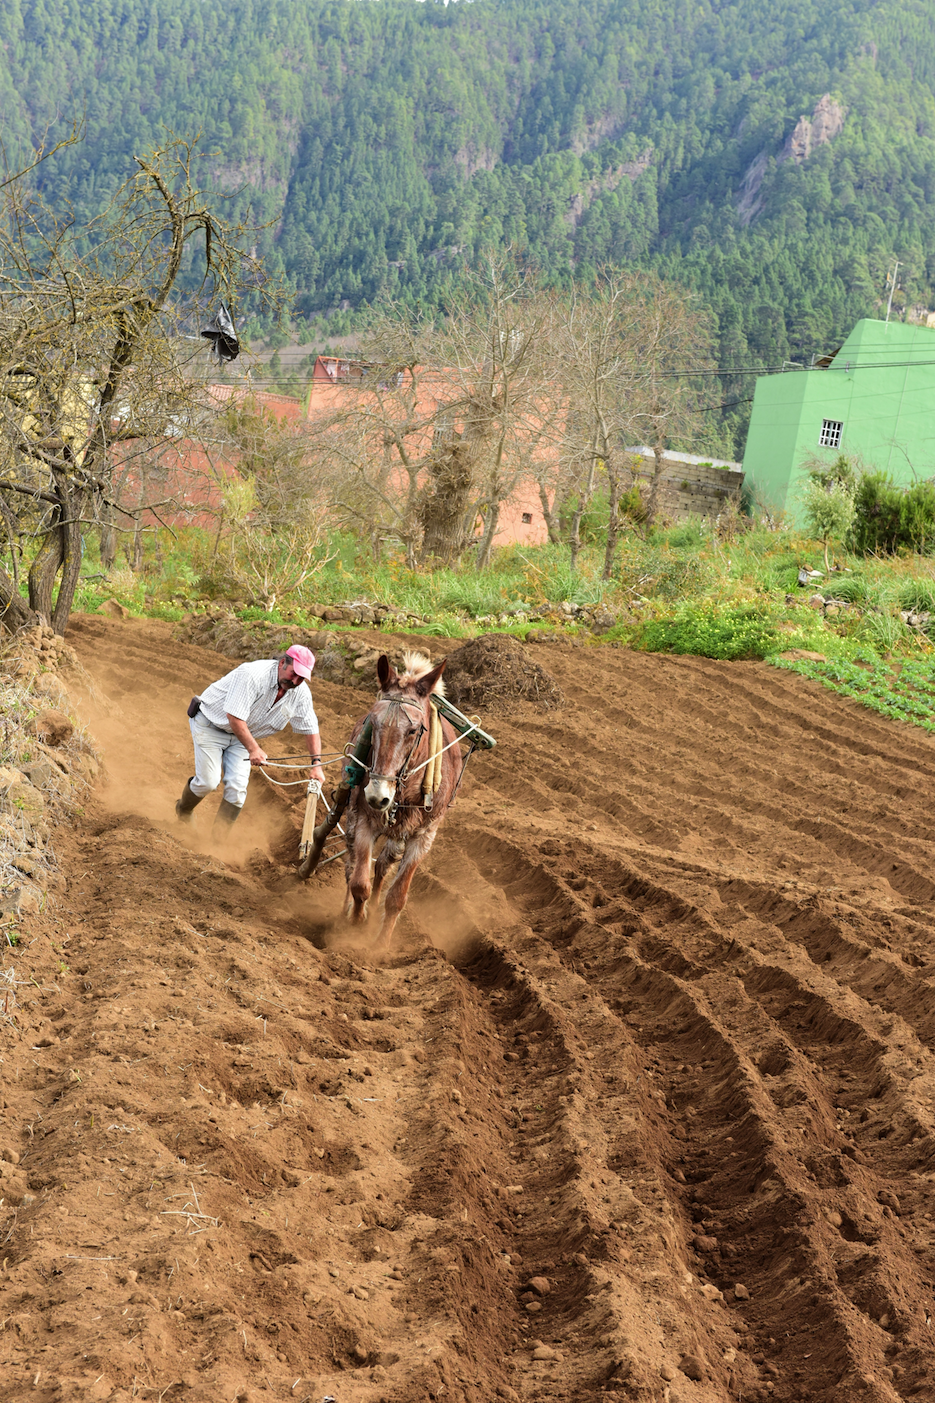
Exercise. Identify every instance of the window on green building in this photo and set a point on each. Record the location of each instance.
(830, 436)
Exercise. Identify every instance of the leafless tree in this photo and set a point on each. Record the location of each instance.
(89, 357)
(675, 347)
(623, 350)
(275, 502)
(446, 416)
(599, 344)
(384, 432)
(498, 346)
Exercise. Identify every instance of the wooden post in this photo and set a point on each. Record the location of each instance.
(308, 826)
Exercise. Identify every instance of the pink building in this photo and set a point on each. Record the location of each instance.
(521, 519)
(189, 475)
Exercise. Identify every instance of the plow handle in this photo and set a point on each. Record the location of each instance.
(353, 774)
(313, 855)
(308, 825)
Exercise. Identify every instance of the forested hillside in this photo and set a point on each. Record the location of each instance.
(388, 143)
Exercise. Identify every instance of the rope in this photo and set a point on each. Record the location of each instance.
(282, 765)
(283, 783)
(435, 757)
(280, 762)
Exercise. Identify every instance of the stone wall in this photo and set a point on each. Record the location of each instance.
(693, 489)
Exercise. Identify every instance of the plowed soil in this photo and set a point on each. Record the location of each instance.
(641, 1104)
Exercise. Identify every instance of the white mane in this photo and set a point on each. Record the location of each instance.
(416, 665)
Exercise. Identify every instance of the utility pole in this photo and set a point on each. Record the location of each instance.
(892, 290)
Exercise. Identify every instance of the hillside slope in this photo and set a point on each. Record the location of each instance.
(643, 1103)
(387, 144)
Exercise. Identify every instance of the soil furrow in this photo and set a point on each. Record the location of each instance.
(643, 1104)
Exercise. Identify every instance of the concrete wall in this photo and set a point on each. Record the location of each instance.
(880, 385)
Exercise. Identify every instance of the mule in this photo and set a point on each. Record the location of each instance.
(391, 803)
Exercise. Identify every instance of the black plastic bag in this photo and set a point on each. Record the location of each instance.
(223, 335)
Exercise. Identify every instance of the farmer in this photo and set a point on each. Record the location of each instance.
(230, 718)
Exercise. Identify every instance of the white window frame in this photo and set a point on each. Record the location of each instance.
(831, 431)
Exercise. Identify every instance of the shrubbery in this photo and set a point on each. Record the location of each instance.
(889, 518)
(710, 632)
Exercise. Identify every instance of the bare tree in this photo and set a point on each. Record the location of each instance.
(625, 353)
(600, 341)
(497, 343)
(675, 347)
(446, 417)
(88, 357)
(275, 503)
(385, 432)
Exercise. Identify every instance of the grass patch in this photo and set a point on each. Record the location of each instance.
(683, 590)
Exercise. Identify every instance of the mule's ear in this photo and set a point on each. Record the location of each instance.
(429, 681)
(386, 672)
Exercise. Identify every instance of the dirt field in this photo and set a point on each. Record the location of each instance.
(641, 1106)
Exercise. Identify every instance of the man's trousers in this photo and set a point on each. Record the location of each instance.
(219, 755)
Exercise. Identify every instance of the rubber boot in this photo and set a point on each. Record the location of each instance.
(226, 815)
(188, 802)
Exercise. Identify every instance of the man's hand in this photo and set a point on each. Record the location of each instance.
(240, 729)
(318, 773)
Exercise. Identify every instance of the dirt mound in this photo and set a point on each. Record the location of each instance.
(494, 673)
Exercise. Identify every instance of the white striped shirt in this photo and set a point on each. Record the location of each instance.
(249, 693)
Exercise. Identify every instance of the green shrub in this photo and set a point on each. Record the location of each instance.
(884, 631)
(709, 632)
(171, 613)
(829, 508)
(917, 517)
(853, 589)
(577, 587)
(254, 613)
(888, 517)
(690, 535)
(661, 573)
(785, 576)
(471, 594)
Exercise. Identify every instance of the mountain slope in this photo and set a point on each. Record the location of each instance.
(387, 144)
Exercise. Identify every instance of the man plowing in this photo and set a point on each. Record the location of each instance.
(234, 714)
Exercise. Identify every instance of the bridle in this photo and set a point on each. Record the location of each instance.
(402, 774)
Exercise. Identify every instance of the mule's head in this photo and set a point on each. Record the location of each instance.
(400, 725)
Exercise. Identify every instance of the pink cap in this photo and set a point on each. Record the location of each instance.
(303, 659)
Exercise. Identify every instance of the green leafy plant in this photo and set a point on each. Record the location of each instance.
(917, 595)
(853, 589)
(903, 693)
(828, 501)
(889, 518)
(709, 632)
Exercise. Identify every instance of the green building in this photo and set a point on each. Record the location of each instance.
(875, 397)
